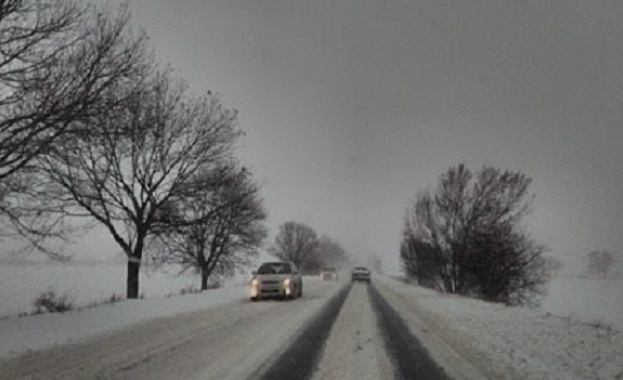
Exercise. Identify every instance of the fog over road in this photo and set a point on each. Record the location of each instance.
(335, 331)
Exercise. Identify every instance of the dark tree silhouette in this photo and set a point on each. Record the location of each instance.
(296, 242)
(215, 227)
(466, 238)
(328, 253)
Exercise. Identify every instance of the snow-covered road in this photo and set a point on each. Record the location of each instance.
(242, 340)
(336, 331)
(355, 350)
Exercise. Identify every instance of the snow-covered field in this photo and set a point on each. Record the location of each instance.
(593, 300)
(83, 283)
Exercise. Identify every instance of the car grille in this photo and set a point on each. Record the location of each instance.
(270, 282)
(271, 291)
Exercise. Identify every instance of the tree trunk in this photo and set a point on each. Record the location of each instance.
(134, 266)
(205, 274)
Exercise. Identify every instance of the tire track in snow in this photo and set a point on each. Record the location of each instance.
(300, 359)
(355, 349)
(410, 358)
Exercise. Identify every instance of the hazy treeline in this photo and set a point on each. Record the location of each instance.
(299, 243)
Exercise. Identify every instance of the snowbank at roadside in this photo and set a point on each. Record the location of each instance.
(18, 335)
(520, 343)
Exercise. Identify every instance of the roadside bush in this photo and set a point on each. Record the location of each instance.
(114, 298)
(189, 289)
(52, 303)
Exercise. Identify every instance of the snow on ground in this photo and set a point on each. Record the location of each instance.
(34, 332)
(18, 335)
(227, 342)
(519, 343)
(83, 283)
(576, 334)
(355, 348)
(592, 300)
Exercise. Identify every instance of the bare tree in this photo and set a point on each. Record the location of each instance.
(296, 242)
(599, 263)
(466, 237)
(56, 61)
(553, 266)
(33, 36)
(216, 226)
(138, 155)
(330, 252)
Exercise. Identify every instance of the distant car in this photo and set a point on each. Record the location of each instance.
(280, 280)
(328, 274)
(361, 274)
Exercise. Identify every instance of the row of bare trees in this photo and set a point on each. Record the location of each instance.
(91, 127)
(466, 237)
(299, 243)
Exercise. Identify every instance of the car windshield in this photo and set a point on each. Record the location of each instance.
(274, 268)
(328, 269)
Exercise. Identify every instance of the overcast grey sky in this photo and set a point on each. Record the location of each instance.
(352, 106)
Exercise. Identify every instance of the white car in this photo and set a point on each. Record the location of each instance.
(280, 279)
(328, 274)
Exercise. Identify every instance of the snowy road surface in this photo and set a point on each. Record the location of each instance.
(336, 331)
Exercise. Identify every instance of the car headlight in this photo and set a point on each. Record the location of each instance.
(286, 286)
(255, 285)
